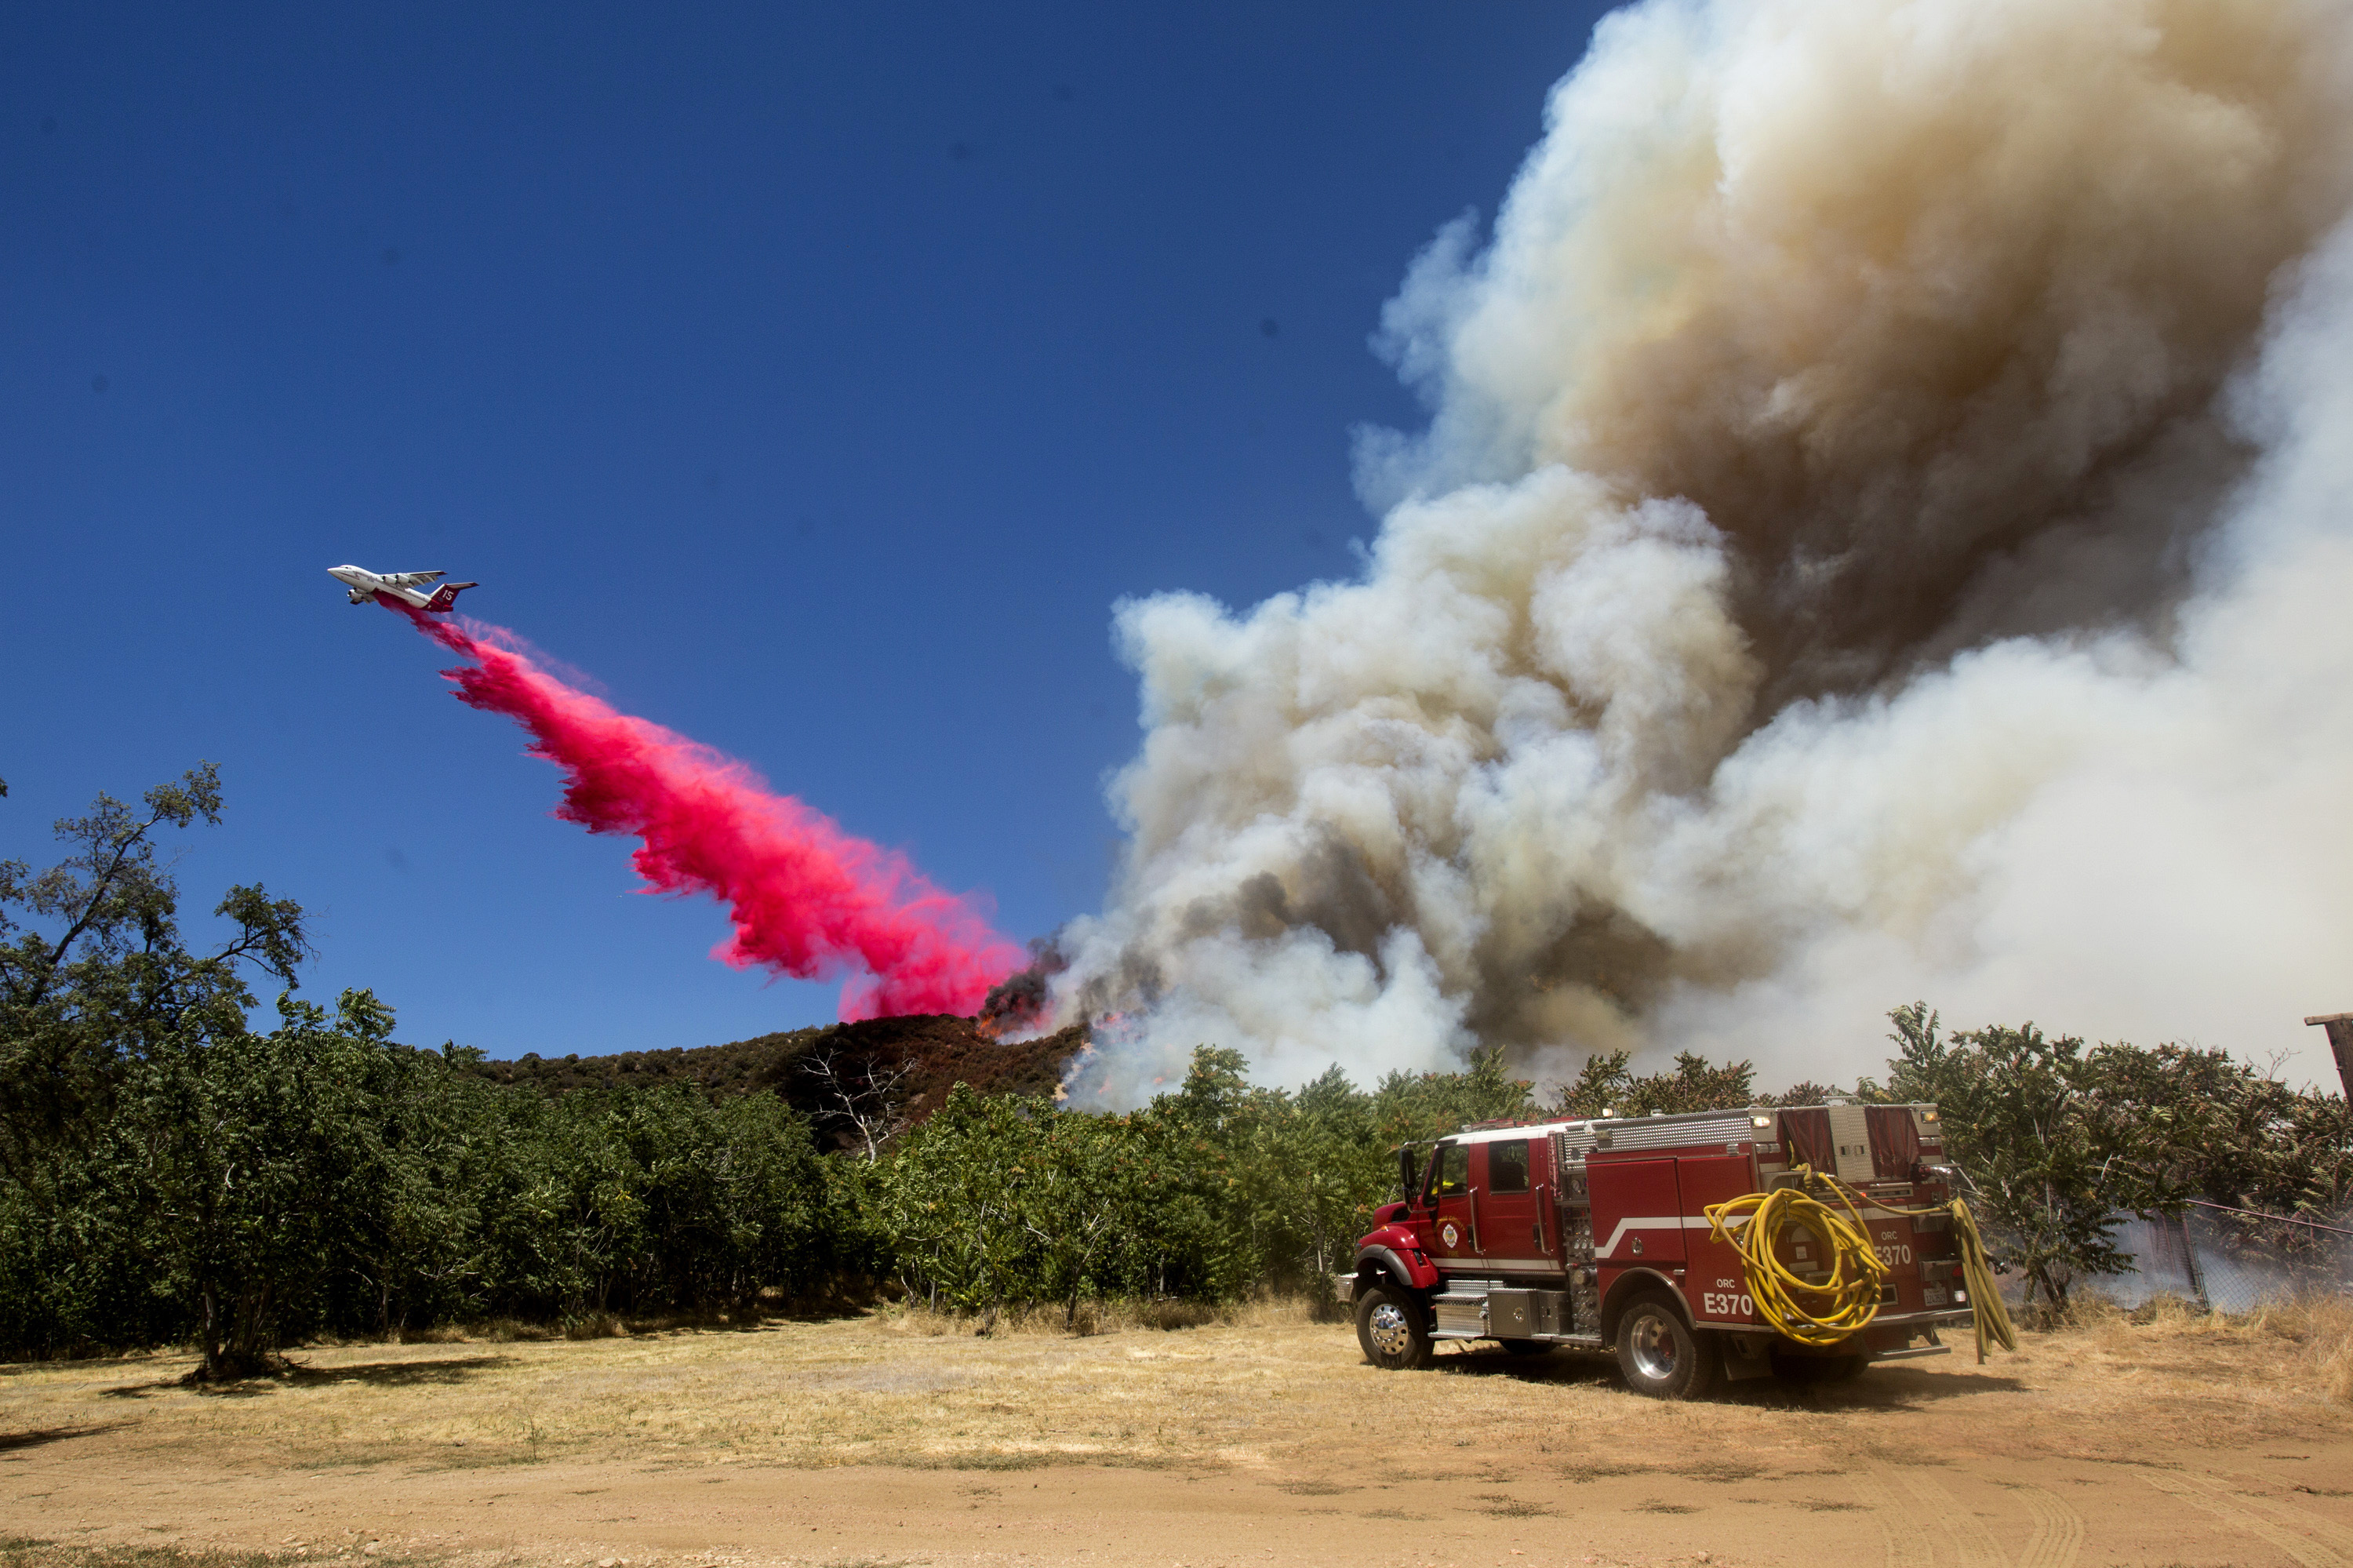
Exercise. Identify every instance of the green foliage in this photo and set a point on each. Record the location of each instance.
(170, 1170)
(106, 1019)
(1002, 1199)
(1606, 1086)
(246, 1151)
(2023, 1118)
(1210, 1191)
(94, 977)
(2194, 1123)
(2061, 1139)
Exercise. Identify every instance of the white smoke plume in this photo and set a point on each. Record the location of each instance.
(1884, 529)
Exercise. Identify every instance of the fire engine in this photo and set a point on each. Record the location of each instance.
(1811, 1241)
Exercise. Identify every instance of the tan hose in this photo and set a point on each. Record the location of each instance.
(1992, 1317)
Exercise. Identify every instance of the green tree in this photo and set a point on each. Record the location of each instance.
(1606, 1083)
(951, 1202)
(2024, 1117)
(2194, 1123)
(94, 975)
(99, 993)
(167, 1170)
(250, 1150)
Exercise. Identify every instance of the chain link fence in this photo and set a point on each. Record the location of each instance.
(2230, 1260)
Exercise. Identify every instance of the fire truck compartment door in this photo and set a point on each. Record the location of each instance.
(1637, 1213)
(1718, 1288)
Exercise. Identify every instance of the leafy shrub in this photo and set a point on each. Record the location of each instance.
(170, 1171)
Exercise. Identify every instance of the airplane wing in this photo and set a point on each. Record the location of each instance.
(411, 580)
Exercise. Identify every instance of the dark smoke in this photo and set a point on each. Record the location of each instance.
(1017, 1003)
(1837, 545)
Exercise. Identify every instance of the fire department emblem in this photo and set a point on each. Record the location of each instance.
(1448, 1234)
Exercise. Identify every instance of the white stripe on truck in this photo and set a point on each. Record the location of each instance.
(1659, 1222)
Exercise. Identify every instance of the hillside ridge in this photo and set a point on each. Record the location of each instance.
(883, 1072)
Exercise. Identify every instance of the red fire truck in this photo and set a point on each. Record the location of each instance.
(1595, 1234)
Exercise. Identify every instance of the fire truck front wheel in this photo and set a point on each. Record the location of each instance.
(1390, 1328)
(1661, 1354)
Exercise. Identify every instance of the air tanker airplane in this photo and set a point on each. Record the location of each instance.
(400, 588)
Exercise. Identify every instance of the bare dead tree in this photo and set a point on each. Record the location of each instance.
(874, 1099)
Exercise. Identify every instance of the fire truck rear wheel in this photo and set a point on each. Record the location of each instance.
(1661, 1354)
(1390, 1328)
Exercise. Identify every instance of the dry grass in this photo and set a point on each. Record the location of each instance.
(931, 1432)
(1090, 1318)
(2323, 1325)
(1132, 1386)
(2168, 1328)
(26, 1553)
(22, 1552)
(1260, 1388)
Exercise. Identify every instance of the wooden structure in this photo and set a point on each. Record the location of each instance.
(2341, 1040)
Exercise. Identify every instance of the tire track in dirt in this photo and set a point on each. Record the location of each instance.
(2231, 1512)
(2058, 1534)
(1908, 1542)
(2327, 1531)
(1973, 1544)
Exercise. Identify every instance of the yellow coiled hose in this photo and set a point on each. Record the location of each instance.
(1823, 1315)
(1810, 1314)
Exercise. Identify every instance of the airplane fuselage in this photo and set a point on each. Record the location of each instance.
(414, 589)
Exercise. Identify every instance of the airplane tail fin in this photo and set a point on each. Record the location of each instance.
(445, 598)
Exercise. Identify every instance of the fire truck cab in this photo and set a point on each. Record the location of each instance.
(1594, 1234)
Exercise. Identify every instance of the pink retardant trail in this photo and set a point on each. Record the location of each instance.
(808, 899)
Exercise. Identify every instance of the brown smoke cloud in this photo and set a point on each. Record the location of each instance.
(1864, 466)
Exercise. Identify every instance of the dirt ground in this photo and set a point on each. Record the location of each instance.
(880, 1441)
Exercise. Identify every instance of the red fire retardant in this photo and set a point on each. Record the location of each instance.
(808, 899)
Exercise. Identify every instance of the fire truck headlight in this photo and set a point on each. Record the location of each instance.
(1760, 1121)
(1960, 1297)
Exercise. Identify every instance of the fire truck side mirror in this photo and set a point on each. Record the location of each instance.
(1408, 1174)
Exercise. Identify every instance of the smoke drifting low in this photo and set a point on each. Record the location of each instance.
(807, 899)
(1883, 530)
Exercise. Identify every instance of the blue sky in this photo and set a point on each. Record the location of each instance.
(813, 379)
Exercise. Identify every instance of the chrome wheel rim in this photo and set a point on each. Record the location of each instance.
(1652, 1343)
(1391, 1334)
